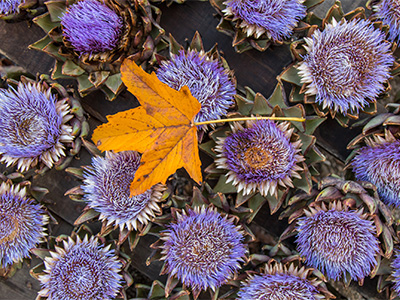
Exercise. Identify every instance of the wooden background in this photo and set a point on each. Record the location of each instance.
(254, 69)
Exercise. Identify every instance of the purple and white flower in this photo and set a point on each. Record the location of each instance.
(33, 126)
(22, 224)
(107, 190)
(203, 249)
(346, 65)
(260, 157)
(206, 79)
(81, 270)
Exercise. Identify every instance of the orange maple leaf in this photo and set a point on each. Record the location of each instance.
(161, 129)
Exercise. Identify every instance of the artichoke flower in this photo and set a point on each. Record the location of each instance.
(261, 161)
(285, 281)
(89, 40)
(387, 11)
(106, 190)
(340, 82)
(41, 125)
(202, 248)
(375, 154)
(262, 23)
(20, 10)
(342, 229)
(81, 267)
(23, 223)
(206, 74)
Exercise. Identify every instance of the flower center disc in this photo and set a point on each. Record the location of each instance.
(9, 228)
(256, 158)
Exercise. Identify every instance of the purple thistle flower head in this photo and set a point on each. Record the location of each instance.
(346, 65)
(8, 7)
(206, 79)
(32, 124)
(92, 27)
(379, 163)
(107, 190)
(260, 157)
(278, 286)
(203, 249)
(396, 271)
(276, 18)
(21, 224)
(388, 11)
(81, 270)
(338, 241)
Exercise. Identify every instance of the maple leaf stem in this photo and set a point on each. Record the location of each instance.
(293, 119)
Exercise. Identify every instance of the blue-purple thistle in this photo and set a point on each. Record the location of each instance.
(338, 241)
(278, 287)
(107, 190)
(388, 11)
(33, 128)
(81, 270)
(346, 65)
(379, 163)
(92, 27)
(203, 249)
(276, 18)
(206, 79)
(260, 157)
(8, 7)
(21, 224)
(396, 271)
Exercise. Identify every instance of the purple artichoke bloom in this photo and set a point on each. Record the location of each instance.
(346, 65)
(388, 11)
(206, 79)
(276, 18)
(107, 190)
(92, 27)
(21, 224)
(33, 128)
(396, 271)
(279, 286)
(81, 270)
(8, 7)
(338, 241)
(380, 165)
(260, 157)
(203, 249)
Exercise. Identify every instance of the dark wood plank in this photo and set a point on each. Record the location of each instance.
(15, 39)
